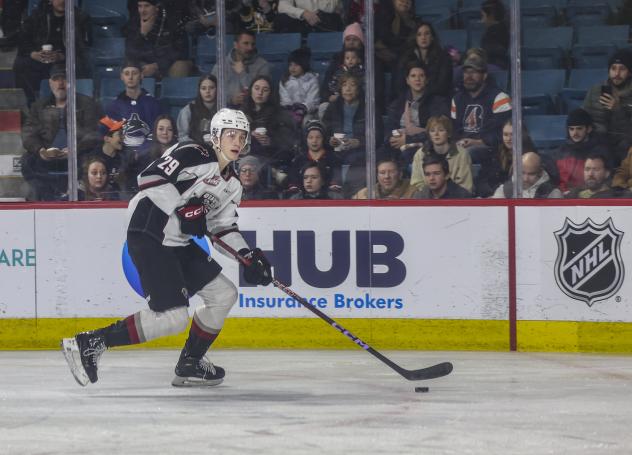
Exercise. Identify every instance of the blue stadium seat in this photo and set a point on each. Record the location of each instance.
(545, 48)
(84, 86)
(277, 69)
(107, 54)
(109, 13)
(474, 34)
(540, 89)
(109, 88)
(456, 38)
(502, 79)
(206, 51)
(275, 47)
(548, 132)
(468, 17)
(439, 16)
(537, 16)
(587, 14)
(579, 81)
(319, 67)
(178, 91)
(616, 35)
(422, 5)
(592, 56)
(324, 45)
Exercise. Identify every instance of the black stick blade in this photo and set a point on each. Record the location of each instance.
(435, 371)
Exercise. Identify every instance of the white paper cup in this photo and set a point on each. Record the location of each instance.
(47, 47)
(396, 133)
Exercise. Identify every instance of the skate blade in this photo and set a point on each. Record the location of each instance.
(71, 353)
(195, 382)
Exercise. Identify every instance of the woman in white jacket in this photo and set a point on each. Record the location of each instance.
(299, 88)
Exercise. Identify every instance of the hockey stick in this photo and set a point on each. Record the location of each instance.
(434, 371)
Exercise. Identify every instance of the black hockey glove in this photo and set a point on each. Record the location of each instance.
(192, 217)
(258, 272)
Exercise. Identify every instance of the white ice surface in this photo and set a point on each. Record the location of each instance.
(319, 402)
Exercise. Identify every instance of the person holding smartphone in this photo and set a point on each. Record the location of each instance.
(610, 104)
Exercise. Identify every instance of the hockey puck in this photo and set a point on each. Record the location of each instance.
(421, 389)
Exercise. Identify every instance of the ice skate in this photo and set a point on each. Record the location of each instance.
(82, 354)
(192, 372)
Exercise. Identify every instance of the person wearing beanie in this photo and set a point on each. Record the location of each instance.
(307, 16)
(110, 151)
(298, 89)
(353, 30)
(610, 104)
(581, 141)
(392, 30)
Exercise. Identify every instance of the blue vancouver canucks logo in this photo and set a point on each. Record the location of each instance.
(588, 266)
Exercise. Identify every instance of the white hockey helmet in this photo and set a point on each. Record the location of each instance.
(229, 118)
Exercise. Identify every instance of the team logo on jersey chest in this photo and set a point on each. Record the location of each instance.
(211, 202)
(588, 266)
(213, 181)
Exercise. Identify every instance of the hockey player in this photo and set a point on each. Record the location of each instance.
(190, 190)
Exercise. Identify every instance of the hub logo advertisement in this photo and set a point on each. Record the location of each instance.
(588, 266)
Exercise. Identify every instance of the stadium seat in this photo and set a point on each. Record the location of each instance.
(34, 3)
(595, 13)
(109, 88)
(277, 69)
(502, 79)
(111, 13)
(474, 35)
(324, 45)
(320, 68)
(537, 16)
(540, 89)
(178, 91)
(592, 56)
(106, 54)
(275, 47)
(579, 81)
(546, 48)
(456, 38)
(548, 132)
(206, 51)
(422, 5)
(84, 86)
(439, 16)
(616, 35)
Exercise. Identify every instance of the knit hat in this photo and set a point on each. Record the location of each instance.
(623, 57)
(153, 2)
(353, 29)
(250, 160)
(301, 57)
(108, 126)
(315, 125)
(579, 117)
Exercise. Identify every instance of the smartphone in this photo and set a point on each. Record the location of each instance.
(606, 90)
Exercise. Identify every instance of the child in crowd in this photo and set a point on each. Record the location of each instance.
(298, 88)
(352, 63)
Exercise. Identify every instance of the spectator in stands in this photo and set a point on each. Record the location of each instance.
(164, 135)
(478, 113)
(111, 150)
(134, 99)
(274, 133)
(610, 104)
(200, 17)
(406, 117)
(536, 183)
(391, 183)
(355, 11)
(156, 42)
(440, 141)
(495, 39)
(352, 63)
(45, 138)
(12, 12)
(623, 174)
(315, 183)
(250, 170)
(438, 183)
(257, 16)
(243, 65)
(392, 29)
(308, 16)
(424, 47)
(596, 180)
(316, 150)
(42, 44)
(298, 88)
(582, 141)
(457, 72)
(194, 120)
(95, 185)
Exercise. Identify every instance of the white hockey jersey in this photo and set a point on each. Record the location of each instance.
(185, 171)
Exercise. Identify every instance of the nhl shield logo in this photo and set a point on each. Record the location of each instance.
(588, 266)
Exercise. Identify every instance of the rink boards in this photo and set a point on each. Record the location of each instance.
(489, 276)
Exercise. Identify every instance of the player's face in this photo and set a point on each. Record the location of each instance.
(435, 177)
(416, 79)
(147, 11)
(164, 131)
(507, 136)
(438, 135)
(595, 174)
(245, 45)
(618, 74)
(232, 142)
(473, 79)
(208, 91)
(248, 176)
(388, 176)
(349, 90)
(312, 180)
(578, 133)
(351, 59)
(131, 77)
(530, 174)
(97, 175)
(59, 87)
(424, 37)
(295, 69)
(260, 92)
(314, 141)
